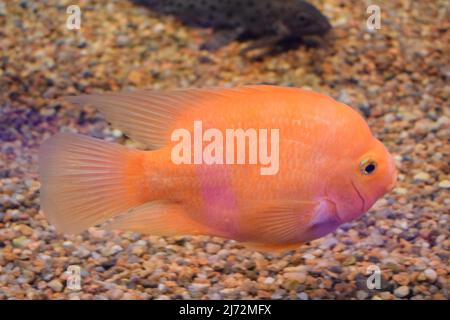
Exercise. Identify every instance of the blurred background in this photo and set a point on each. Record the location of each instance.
(397, 76)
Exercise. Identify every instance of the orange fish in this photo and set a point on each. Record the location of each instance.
(331, 168)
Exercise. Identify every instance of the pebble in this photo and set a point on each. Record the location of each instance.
(3, 11)
(445, 184)
(401, 291)
(329, 242)
(402, 278)
(20, 242)
(362, 295)
(82, 252)
(303, 296)
(293, 280)
(117, 133)
(68, 245)
(138, 250)
(213, 248)
(400, 191)
(113, 250)
(122, 41)
(349, 261)
(25, 230)
(430, 274)
(295, 276)
(55, 285)
(309, 256)
(422, 176)
(114, 294)
(198, 287)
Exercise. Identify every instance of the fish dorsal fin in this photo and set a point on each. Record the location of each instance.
(158, 218)
(278, 221)
(147, 116)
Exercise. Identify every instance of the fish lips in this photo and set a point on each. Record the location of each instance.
(322, 28)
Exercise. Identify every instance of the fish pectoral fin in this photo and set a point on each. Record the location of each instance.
(278, 221)
(269, 40)
(158, 218)
(265, 42)
(222, 38)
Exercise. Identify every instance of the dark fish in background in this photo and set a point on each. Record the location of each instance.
(269, 21)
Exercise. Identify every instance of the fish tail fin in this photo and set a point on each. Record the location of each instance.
(86, 181)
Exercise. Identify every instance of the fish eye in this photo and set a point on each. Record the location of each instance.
(367, 167)
(302, 19)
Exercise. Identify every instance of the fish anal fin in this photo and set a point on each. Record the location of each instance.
(158, 218)
(271, 248)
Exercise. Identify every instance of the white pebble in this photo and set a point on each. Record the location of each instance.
(309, 256)
(422, 176)
(115, 249)
(401, 191)
(117, 133)
(444, 184)
(430, 274)
(401, 292)
(303, 296)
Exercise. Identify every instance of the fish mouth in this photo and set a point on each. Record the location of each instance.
(326, 27)
(363, 202)
(393, 182)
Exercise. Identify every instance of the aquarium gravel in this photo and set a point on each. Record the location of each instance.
(397, 76)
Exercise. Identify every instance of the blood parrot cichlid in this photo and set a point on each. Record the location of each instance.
(331, 168)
